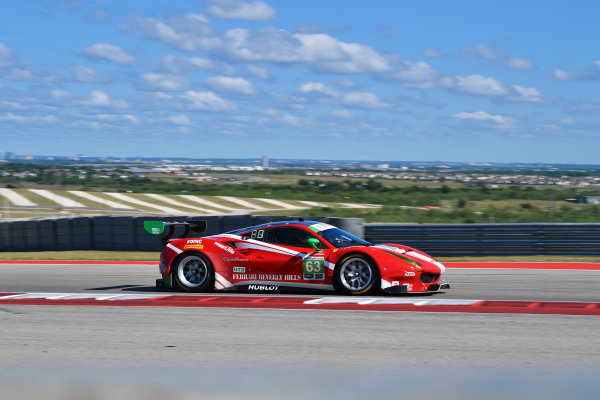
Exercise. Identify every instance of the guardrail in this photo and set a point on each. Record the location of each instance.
(128, 234)
(492, 239)
(125, 233)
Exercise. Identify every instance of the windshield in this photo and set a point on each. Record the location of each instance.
(340, 238)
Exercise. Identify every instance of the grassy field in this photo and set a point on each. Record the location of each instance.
(154, 256)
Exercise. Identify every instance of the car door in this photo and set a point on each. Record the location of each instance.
(283, 253)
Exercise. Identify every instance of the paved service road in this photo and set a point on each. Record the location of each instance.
(178, 352)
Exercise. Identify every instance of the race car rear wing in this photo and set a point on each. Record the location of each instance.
(158, 228)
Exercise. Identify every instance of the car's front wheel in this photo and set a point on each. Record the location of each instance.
(193, 273)
(356, 275)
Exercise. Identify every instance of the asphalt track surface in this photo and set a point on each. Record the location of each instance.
(173, 352)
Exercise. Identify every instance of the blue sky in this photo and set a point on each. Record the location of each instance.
(510, 81)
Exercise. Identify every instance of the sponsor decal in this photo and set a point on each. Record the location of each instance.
(223, 247)
(239, 269)
(193, 246)
(313, 265)
(314, 277)
(264, 277)
(263, 287)
(313, 269)
(245, 277)
(194, 241)
(320, 227)
(409, 274)
(235, 259)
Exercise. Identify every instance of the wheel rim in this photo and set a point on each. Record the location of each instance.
(356, 274)
(192, 271)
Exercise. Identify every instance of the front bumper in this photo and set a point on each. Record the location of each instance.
(407, 288)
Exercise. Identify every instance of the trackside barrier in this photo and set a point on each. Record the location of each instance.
(577, 239)
(125, 233)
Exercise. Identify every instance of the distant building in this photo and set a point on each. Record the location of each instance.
(265, 161)
(588, 199)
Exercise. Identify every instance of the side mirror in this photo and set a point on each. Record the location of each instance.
(314, 243)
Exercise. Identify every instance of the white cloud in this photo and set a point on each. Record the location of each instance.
(243, 10)
(529, 94)
(432, 53)
(180, 120)
(208, 101)
(483, 116)
(98, 98)
(417, 72)
(177, 64)
(480, 85)
(164, 82)
(345, 114)
(597, 64)
(189, 32)
(317, 51)
(318, 87)
(352, 99)
(347, 84)
(117, 118)
(111, 53)
(363, 100)
(24, 119)
(87, 75)
(519, 64)
(561, 75)
(479, 51)
(6, 56)
(257, 71)
(230, 85)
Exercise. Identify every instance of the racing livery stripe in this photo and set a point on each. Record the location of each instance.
(175, 249)
(221, 280)
(403, 304)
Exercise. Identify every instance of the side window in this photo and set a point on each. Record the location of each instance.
(257, 234)
(288, 236)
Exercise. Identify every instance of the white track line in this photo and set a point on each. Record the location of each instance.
(15, 198)
(62, 201)
(205, 202)
(241, 202)
(351, 205)
(312, 203)
(130, 199)
(111, 204)
(165, 199)
(280, 204)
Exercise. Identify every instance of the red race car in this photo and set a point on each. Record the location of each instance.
(291, 255)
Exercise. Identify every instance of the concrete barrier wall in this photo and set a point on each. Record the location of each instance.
(575, 239)
(126, 233)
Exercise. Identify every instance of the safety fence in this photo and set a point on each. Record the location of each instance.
(125, 233)
(577, 239)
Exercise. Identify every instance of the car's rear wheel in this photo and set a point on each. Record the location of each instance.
(356, 275)
(193, 273)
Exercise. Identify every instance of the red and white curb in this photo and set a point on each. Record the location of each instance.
(305, 303)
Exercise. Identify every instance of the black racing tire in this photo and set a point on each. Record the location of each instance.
(356, 275)
(193, 272)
